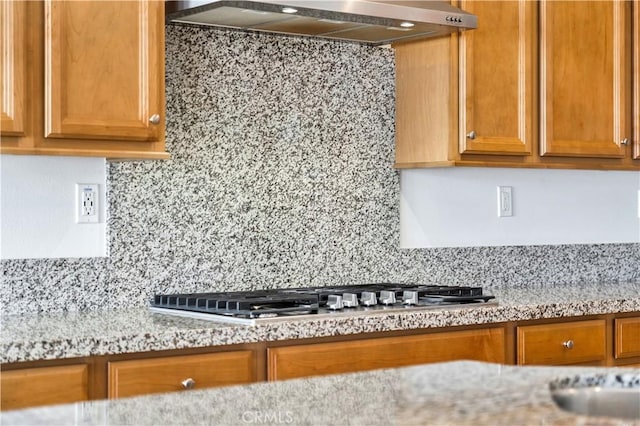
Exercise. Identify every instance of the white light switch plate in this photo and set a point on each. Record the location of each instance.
(505, 201)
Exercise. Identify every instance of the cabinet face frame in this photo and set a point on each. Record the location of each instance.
(65, 54)
(550, 145)
(501, 144)
(13, 67)
(636, 80)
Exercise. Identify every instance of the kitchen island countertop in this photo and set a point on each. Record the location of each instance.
(70, 335)
(460, 393)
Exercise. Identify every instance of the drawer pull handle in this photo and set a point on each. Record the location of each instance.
(189, 383)
(568, 344)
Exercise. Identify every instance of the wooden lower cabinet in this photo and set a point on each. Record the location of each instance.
(369, 354)
(563, 343)
(627, 341)
(611, 339)
(31, 387)
(175, 373)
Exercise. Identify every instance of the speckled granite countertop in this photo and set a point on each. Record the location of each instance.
(460, 393)
(29, 338)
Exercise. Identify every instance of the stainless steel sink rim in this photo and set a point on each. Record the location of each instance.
(623, 379)
(613, 395)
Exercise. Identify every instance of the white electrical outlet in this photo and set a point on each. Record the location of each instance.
(505, 201)
(87, 203)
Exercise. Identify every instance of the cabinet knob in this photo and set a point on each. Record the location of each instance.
(568, 344)
(471, 134)
(154, 119)
(189, 383)
(624, 141)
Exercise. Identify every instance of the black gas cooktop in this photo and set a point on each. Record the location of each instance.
(251, 307)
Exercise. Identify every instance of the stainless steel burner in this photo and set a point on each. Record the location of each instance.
(251, 307)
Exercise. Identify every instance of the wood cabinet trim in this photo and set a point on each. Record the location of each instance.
(502, 163)
(13, 61)
(110, 153)
(636, 80)
(627, 337)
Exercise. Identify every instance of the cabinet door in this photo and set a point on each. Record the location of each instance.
(584, 82)
(627, 340)
(103, 76)
(170, 374)
(44, 386)
(636, 79)
(496, 79)
(389, 352)
(13, 67)
(564, 343)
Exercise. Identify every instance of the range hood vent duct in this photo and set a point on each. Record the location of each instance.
(372, 22)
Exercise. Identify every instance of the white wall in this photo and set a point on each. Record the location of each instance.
(37, 207)
(454, 207)
(457, 207)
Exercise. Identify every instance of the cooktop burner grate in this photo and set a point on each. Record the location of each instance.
(240, 304)
(248, 306)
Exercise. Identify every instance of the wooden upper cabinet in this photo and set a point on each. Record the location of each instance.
(469, 97)
(13, 67)
(636, 80)
(103, 76)
(584, 53)
(496, 79)
(83, 78)
(539, 84)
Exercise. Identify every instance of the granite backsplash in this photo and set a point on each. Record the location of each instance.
(280, 176)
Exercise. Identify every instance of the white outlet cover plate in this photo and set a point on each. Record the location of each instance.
(87, 203)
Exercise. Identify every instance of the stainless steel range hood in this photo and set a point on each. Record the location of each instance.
(373, 22)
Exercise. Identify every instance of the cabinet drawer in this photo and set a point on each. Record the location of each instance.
(343, 357)
(566, 343)
(627, 337)
(143, 376)
(43, 386)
